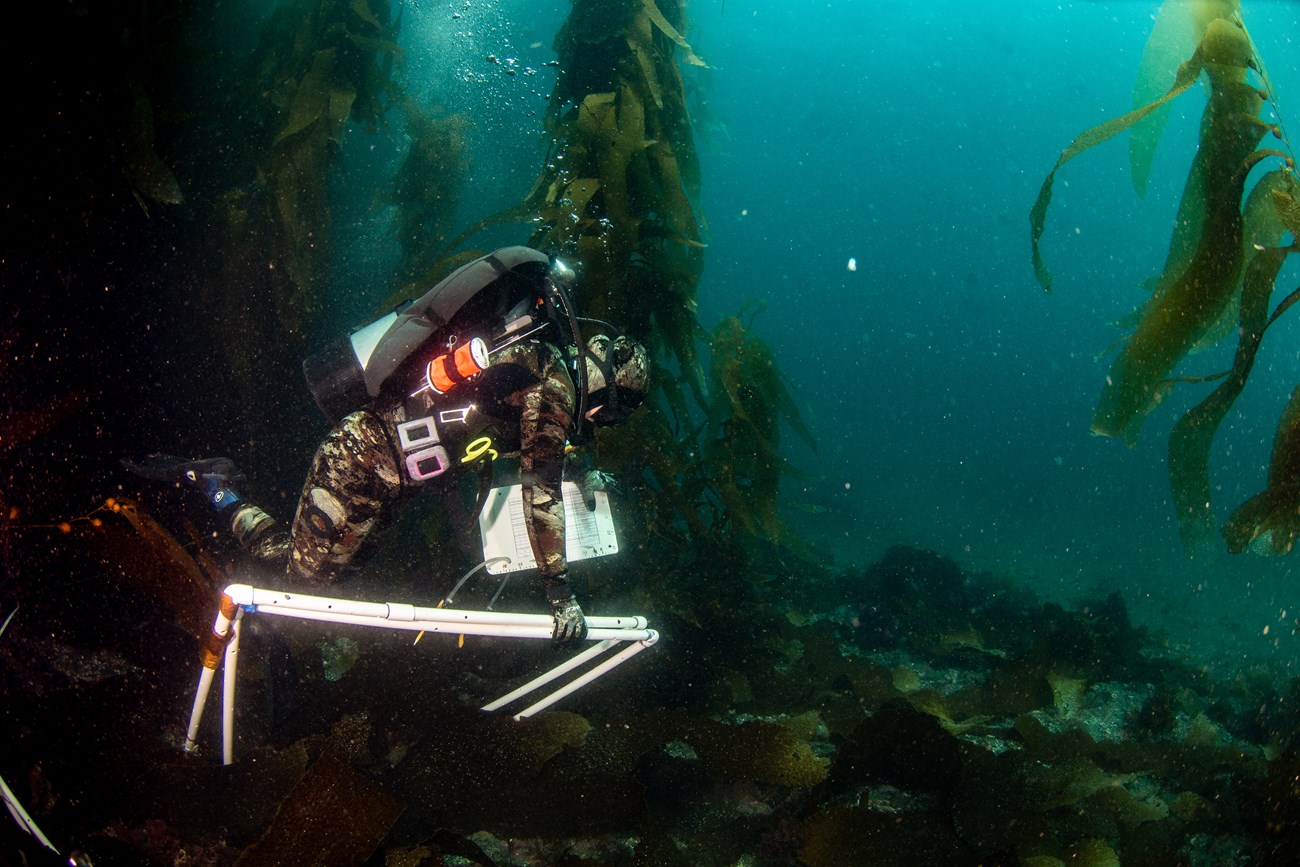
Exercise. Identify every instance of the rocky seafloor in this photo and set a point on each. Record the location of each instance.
(913, 713)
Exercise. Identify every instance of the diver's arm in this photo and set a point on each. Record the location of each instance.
(546, 412)
(543, 430)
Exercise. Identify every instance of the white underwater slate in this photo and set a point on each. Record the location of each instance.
(587, 534)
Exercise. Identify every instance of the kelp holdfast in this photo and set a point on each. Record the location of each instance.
(499, 296)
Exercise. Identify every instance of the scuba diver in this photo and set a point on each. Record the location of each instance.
(489, 363)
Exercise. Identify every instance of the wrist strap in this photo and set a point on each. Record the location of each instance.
(557, 587)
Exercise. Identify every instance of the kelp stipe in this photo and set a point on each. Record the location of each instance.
(1224, 256)
(751, 399)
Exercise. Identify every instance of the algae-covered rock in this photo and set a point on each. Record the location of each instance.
(767, 752)
(855, 836)
(1094, 853)
(901, 746)
(334, 815)
(337, 657)
(1067, 693)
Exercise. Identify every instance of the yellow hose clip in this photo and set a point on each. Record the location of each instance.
(477, 449)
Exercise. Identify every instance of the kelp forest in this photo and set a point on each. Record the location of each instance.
(178, 201)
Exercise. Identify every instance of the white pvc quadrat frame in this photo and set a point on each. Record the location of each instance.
(609, 633)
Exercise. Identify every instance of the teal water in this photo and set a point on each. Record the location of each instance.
(950, 396)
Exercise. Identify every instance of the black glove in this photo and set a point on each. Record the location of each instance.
(570, 625)
(597, 480)
(215, 478)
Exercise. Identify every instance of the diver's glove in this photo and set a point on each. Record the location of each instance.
(597, 480)
(570, 625)
(215, 478)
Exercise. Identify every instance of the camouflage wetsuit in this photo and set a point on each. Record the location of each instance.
(523, 403)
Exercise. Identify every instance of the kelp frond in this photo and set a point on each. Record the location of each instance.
(617, 195)
(1192, 437)
(1269, 522)
(1178, 30)
(751, 400)
(1187, 75)
(1225, 253)
(322, 63)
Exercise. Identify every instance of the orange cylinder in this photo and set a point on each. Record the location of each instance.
(450, 368)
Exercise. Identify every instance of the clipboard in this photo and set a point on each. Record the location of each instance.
(587, 534)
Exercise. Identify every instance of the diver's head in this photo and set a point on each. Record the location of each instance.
(618, 374)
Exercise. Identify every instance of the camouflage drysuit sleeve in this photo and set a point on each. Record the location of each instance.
(354, 475)
(545, 415)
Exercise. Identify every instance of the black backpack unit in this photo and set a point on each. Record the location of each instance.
(500, 298)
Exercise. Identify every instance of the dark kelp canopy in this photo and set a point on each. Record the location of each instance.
(1225, 253)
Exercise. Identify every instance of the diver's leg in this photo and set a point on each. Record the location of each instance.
(215, 478)
(260, 535)
(354, 474)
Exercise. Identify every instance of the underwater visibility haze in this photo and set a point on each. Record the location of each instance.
(962, 502)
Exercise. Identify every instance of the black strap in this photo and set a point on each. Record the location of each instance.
(463, 519)
(497, 264)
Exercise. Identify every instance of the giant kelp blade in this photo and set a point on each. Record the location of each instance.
(1187, 75)
(1269, 522)
(1189, 444)
(1197, 296)
(790, 411)
(1261, 228)
(652, 12)
(1287, 206)
(1172, 39)
(1186, 236)
(335, 815)
(1178, 28)
(152, 560)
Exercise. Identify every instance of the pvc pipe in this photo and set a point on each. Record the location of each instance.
(220, 630)
(20, 815)
(274, 602)
(200, 702)
(240, 598)
(562, 668)
(228, 691)
(543, 629)
(579, 682)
